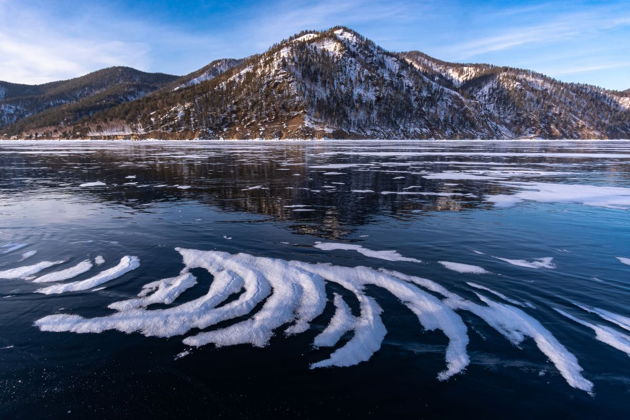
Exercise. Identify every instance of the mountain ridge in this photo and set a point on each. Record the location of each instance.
(337, 83)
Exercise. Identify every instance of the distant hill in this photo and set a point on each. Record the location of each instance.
(337, 83)
(65, 102)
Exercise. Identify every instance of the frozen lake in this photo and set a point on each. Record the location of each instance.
(340, 278)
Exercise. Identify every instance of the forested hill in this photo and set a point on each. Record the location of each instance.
(337, 83)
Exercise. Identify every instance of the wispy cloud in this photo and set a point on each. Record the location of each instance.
(587, 68)
(33, 50)
(280, 19)
(555, 29)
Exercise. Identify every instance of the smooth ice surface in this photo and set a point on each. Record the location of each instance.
(545, 262)
(463, 268)
(388, 255)
(27, 270)
(125, 265)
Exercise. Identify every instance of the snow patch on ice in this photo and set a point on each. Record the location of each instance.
(93, 184)
(463, 268)
(624, 260)
(545, 262)
(388, 255)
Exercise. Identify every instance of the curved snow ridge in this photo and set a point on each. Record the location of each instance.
(342, 322)
(463, 268)
(514, 324)
(388, 255)
(28, 270)
(545, 262)
(125, 265)
(66, 274)
(160, 291)
(292, 294)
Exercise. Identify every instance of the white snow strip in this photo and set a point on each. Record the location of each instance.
(613, 338)
(126, 265)
(458, 176)
(498, 294)
(66, 274)
(341, 322)
(282, 286)
(619, 320)
(27, 270)
(388, 255)
(515, 325)
(624, 260)
(463, 268)
(160, 291)
(10, 247)
(545, 262)
(28, 254)
(93, 184)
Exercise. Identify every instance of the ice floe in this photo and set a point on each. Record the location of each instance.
(388, 255)
(126, 265)
(463, 268)
(99, 260)
(545, 262)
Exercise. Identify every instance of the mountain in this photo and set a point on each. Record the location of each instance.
(336, 83)
(65, 102)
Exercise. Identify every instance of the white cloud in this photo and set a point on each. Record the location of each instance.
(555, 29)
(36, 50)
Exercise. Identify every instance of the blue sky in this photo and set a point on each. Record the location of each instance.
(578, 41)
